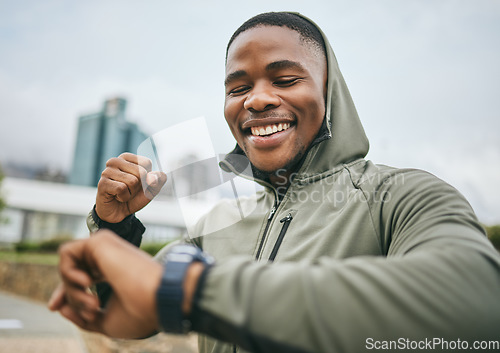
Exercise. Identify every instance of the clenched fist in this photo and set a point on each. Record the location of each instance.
(126, 186)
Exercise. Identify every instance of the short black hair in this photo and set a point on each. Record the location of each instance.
(309, 33)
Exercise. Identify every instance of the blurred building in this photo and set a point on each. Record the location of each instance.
(39, 210)
(101, 136)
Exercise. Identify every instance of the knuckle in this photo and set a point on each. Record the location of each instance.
(103, 183)
(128, 156)
(121, 188)
(112, 162)
(105, 173)
(123, 192)
(128, 178)
(144, 162)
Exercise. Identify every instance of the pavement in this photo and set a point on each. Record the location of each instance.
(27, 326)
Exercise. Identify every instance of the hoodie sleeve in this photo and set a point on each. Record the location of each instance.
(439, 283)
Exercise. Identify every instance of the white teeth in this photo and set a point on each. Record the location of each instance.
(269, 129)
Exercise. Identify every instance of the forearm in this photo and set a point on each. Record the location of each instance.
(334, 305)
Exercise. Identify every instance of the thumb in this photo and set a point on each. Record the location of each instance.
(57, 298)
(154, 183)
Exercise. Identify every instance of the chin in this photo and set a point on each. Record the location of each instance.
(268, 167)
(276, 161)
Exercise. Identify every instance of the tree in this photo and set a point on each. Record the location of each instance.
(2, 201)
(494, 235)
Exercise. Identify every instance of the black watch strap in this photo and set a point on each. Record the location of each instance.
(170, 294)
(169, 298)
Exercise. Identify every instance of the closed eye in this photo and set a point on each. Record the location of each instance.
(238, 90)
(286, 81)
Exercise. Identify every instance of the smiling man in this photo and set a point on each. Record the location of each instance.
(340, 254)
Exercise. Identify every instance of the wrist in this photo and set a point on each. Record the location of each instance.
(97, 215)
(129, 228)
(191, 279)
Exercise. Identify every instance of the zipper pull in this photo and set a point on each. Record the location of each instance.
(271, 214)
(288, 218)
(286, 222)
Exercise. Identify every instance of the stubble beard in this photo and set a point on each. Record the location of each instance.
(290, 166)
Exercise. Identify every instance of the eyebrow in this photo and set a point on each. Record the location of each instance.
(276, 65)
(234, 76)
(284, 64)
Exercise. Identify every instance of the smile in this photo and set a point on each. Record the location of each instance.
(269, 129)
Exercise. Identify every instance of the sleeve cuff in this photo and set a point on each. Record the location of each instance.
(130, 228)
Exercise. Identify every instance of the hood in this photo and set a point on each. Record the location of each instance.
(341, 138)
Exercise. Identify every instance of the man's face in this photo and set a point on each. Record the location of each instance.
(275, 95)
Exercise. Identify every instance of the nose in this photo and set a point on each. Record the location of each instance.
(261, 98)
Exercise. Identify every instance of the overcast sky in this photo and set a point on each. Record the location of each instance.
(425, 76)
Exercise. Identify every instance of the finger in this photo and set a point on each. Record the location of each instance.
(139, 160)
(86, 307)
(69, 313)
(125, 166)
(115, 184)
(57, 299)
(71, 268)
(152, 185)
(71, 275)
(110, 190)
(81, 299)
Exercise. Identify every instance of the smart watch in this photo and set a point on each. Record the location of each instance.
(170, 293)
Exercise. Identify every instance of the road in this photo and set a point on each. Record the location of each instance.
(27, 326)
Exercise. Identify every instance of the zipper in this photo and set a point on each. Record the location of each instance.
(269, 219)
(286, 222)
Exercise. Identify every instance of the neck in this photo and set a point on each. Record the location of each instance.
(280, 180)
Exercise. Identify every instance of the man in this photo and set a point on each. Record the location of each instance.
(363, 256)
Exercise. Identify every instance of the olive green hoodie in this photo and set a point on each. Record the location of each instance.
(363, 254)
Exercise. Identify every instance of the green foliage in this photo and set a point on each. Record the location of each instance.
(29, 258)
(494, 235)
(152, 248)
(52, 245)
(2, 201)
(26, 246)
(46, 246)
